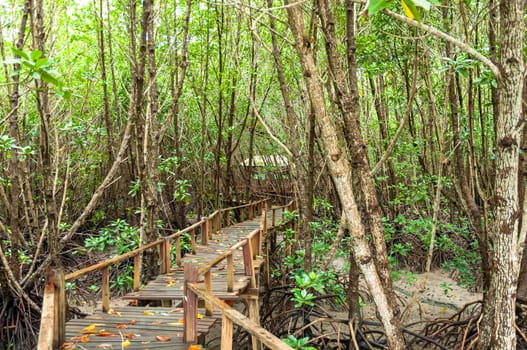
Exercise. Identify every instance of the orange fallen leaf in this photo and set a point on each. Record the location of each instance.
(221, 268)
(181, 320)
(132, 322)
(85, 339)
(162, 338)
(156, 322)
(106, 334)
(89, 332)
(129, 336)
(121, 326)
(194, 347)
(68, 346)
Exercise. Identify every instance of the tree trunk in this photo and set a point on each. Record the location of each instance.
(340, 171)
(505, 239)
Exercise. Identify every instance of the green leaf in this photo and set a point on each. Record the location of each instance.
(48, 78)
(42, 62)
(35, 55)
(410, 10)
(377, 5)
(20, 53)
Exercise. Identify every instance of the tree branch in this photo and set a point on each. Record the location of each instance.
(460, 44)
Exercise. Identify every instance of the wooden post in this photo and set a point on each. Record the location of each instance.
(267, 272)
(164, 257)
(178, 250)
(226, 333)
(52, 325)
(264, 221)
(105, 289)
(193, 240)
(227, 218)
(190, 305)
(204, 231)
(61, 304)
(218, 222)
(230, 273)
(254, 315)
(208, 288)
(137, 272)
(251, 211)
(248, 261)
(209, 229)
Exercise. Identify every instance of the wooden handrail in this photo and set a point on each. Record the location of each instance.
(231, 315)
(52, 330)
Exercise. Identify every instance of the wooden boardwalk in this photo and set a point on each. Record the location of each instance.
(221, 257)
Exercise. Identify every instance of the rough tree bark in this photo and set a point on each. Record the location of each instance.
(505, 238)
(340, 171)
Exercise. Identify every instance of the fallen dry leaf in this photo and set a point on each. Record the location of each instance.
(85, 339)
(156, 322)
(125, 343)
(106, 334)
(132, 322)
(200, 316)
(68, 346)
(162, 338)
(89, 332)
(121, 326)
(93, 326)
(148, 313)
(194, 347)
(129, 336)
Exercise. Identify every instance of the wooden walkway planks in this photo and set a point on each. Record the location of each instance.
(140, 325)
(144, 324)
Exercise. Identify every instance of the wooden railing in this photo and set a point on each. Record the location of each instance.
(52, 331)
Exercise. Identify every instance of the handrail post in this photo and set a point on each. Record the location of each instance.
(208, 288)
(226, 333)
(52, 324)
(105, 289)
(190, 304)
(227, 218)
(193, 241)
(230, 273)
(250, 210)
(137, 272)
(164, 256)
(248, 261)
(177, 242)
(204, 231)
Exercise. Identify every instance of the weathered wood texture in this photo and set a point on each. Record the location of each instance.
(223, 265)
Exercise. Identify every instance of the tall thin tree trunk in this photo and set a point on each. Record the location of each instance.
(340, 171)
